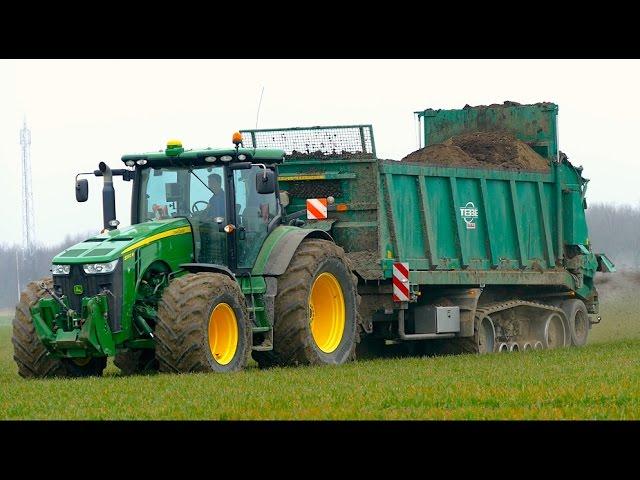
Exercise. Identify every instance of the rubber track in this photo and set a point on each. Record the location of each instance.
(485, 310)
(469, 344)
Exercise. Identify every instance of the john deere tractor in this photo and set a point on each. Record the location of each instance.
(210, 270)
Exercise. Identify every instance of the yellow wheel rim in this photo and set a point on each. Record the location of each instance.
(326, 312)
(223, 333)
(81, 362)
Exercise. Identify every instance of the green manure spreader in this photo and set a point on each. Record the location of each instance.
(299, 246)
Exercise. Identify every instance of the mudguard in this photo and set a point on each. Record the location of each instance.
(207, 267)
(278, 249)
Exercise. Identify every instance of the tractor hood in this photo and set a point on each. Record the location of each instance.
(112, 244)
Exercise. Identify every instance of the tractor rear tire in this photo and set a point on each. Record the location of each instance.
(316, 309)
(29, 353)
(134, 362)
(203, 325)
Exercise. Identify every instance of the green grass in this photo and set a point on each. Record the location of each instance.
(595, 382)
(599, 381)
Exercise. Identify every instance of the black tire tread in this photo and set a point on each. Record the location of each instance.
(181, 310)
(292, 344)
(29, 352)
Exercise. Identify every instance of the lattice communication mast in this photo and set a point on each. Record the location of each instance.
(28, 224)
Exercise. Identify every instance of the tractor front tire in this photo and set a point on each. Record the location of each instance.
(32, 356)
(28, 351)
(203, 325)
(316, 317)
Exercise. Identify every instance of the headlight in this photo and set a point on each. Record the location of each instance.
(92, 268)
(60, 269)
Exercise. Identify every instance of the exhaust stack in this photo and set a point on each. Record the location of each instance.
(108, 198)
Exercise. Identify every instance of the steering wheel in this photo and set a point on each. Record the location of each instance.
(195, 209)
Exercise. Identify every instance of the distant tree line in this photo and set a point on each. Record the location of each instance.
(614, 230)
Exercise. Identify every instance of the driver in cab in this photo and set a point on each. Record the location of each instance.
(216, 202)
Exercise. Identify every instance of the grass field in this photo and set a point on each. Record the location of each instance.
(599, 381)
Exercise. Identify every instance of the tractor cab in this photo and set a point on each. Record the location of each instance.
(228, 196)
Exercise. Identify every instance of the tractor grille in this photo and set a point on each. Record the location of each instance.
(91, 286)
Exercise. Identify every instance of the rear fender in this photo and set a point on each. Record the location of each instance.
(278, 249)
(208, 267)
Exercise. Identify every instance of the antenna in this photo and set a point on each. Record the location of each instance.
(259, 104)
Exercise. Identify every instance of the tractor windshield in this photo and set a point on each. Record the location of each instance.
(197, 194)
(177, 192)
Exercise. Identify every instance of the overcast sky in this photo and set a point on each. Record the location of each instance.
(81, 112)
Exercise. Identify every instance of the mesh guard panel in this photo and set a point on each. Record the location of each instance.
(315, 141)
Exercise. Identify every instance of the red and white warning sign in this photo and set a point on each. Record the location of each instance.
(316, 208)
(401, 282)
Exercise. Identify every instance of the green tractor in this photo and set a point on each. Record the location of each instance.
(196, 281)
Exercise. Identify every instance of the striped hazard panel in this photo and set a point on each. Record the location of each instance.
(401, 282)
(316, 208)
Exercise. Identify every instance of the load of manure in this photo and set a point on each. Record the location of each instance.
(498, 150)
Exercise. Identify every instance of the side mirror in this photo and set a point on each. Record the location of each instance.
(82, 190)
(265, 181)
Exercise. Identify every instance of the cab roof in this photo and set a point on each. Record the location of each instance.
(178, 156)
